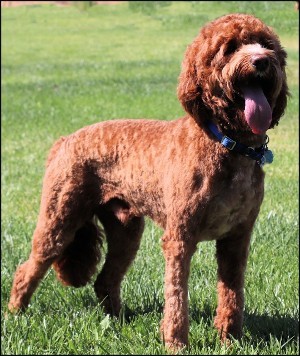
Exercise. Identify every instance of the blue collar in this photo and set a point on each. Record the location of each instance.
(261, 154)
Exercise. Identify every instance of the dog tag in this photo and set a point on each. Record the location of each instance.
(268, 156)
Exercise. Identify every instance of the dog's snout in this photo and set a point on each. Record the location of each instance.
(260, 62)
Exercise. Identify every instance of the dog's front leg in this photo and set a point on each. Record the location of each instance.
(232, 253)
(175, 324)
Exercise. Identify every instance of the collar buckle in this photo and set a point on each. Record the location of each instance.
(228, 142)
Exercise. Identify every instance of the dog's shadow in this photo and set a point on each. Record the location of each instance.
(263, 326)
(257, 326)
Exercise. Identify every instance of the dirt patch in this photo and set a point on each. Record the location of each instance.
(58, 3)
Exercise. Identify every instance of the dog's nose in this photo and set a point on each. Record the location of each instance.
(260, 62)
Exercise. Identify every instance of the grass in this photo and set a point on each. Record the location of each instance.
(62, 69)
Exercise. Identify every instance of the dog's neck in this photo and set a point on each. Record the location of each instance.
(261, 154)
(244, 136)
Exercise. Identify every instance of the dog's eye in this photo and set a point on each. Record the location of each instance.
(230, 48)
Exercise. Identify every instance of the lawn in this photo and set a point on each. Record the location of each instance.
(62, 69)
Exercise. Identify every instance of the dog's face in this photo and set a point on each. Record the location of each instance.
(234, 72)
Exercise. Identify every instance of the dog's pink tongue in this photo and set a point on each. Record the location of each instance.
(258, 113)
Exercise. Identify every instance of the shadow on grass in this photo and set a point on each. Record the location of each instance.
(263, 326)
(129, 314)
(258, 327)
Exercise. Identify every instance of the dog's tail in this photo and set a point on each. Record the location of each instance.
(78, 263)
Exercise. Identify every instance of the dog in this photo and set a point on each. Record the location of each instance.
(199, 177)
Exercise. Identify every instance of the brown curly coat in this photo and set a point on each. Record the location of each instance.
(175, 172)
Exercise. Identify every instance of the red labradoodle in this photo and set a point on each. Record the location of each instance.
(199, 177)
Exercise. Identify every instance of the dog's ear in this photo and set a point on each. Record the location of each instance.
(189, 91)
(281, 102)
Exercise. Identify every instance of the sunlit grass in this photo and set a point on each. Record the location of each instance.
(63, 69)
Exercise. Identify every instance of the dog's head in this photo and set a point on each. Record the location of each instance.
(234, 74)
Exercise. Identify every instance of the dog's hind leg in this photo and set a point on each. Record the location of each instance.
(26, 280)
(66, 206)
(74, 253)
(30, 273)
(123, 241)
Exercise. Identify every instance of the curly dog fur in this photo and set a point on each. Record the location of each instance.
(174, 172)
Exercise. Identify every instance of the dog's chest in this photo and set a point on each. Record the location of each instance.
(235, 203)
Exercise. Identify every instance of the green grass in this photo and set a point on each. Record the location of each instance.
(63, 69)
